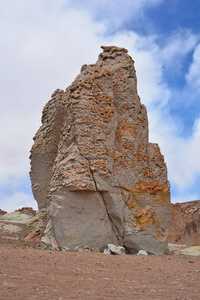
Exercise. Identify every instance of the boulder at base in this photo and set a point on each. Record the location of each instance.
(94, 174)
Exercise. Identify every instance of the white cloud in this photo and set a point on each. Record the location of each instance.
(185, 198)
(177, 45)
(43, 49)
(115, 12)
(193, 77)
(17, 200)
(33, 64)
(181, 154)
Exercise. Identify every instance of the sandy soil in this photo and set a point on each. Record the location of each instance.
(27, 273)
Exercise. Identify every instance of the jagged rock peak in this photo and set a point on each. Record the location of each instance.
(94, 174)
(111, 51)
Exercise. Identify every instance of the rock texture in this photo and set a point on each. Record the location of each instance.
(185, 223)
(20, 228)
(95, 176)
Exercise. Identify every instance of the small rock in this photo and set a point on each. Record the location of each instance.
(122, 250)
(87, 249)
(95, 250)
(107, 251)
(78, 249)
(116, 250)
(65, 249)
(142, 252)
(48, 242)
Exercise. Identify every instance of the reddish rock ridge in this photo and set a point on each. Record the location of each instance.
(2, 212)
(185, 223)
(94, 174)
(27, 210)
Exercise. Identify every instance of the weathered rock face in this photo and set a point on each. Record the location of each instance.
(95, 176)
(185, 223)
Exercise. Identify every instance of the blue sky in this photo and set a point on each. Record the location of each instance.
(45, 42)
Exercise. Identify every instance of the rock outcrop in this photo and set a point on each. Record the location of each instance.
(94, 174)
(2, 212)
(20, 228)
(185, 223)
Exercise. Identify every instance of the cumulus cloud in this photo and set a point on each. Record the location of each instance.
(44, 45)
(17, 200)
(177, 46)
(193, 77)
(115, 12)
(37, 61)
(185, 197)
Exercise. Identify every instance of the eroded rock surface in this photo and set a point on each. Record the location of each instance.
(185, 223)
(95, 176)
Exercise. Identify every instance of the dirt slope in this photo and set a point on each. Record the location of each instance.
(38, 274)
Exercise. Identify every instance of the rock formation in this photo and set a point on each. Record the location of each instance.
(94, 174)
(19, 228)
(185, 223)
(2, 212)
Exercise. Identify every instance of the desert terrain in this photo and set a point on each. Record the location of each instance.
(29, 272)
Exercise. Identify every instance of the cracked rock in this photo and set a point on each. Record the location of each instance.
(94, 174)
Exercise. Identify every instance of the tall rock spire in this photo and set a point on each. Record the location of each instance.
(95, 176)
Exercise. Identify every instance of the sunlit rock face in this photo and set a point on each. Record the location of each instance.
(95, 176)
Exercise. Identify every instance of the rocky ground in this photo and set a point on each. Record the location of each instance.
(28, 272)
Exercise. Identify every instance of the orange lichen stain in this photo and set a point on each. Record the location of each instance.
(143, 216)
(127, 129)
(122, 159)
(80, 170)
(100, 165)
(141, 154)
(123, 162)
(99, 138)
(106, 114)
(150, 187)
(96, 92)
(128, 143)
(104, 100)
(67, 174)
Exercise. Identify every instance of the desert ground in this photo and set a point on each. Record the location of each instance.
(28, 273)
